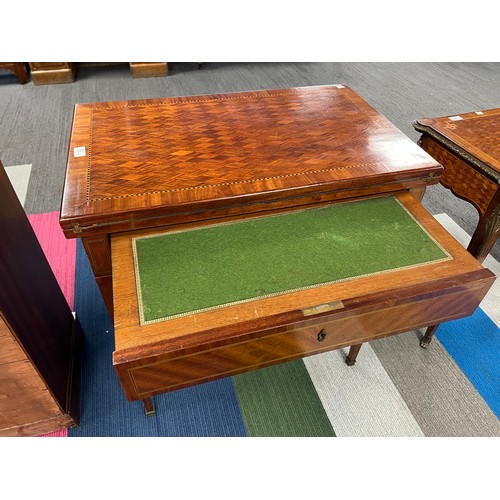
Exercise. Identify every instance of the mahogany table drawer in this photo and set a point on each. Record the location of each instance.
(171, 354)
(146, 378)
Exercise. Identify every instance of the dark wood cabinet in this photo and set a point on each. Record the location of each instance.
(39, 334)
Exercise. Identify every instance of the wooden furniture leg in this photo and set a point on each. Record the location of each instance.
(353, 353)
(99, 253)
(482, 241)
(426, 339)
(149, 406)
(18, 68)
(487, 231)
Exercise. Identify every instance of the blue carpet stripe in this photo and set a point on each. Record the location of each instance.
(205, 410)
(474, 344)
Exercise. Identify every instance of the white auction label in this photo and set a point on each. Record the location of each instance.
(455, 118)
(79, 151)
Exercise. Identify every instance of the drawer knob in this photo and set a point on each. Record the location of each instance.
(321, 335)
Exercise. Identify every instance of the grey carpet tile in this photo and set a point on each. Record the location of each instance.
(439, 395)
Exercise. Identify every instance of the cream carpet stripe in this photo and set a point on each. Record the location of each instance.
(360, 401)
(19, 176)
(491, 303)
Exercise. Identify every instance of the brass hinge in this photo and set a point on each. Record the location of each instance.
(76, 228)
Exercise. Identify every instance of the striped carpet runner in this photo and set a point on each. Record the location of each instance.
(395, 389)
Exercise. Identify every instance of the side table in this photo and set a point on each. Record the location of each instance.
(468, 147)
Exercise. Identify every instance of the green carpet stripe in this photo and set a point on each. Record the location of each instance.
(199, 269)
(281, 401)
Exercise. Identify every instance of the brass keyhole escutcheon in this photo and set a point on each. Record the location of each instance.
(321, 335)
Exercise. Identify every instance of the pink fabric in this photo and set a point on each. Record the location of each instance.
(61, 433)
(61, 254)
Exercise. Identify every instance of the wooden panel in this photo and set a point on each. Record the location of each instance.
(24, 397)
(27, 407)
(10, 351)
(99, 253)
(38, 333)
(463, 180)
(31, 300)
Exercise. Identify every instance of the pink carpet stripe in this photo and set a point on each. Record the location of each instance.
(60, 252)
(61, 433)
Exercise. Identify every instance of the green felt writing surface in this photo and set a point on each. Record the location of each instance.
(178, 273)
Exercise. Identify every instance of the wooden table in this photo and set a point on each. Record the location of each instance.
(468, 146)
(139, 167)
(156, 162)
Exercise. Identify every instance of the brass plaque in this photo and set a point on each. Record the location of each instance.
(330, 306)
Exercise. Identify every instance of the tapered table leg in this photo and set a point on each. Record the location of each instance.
(353, 353)
(426, 339)
(149, 406)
